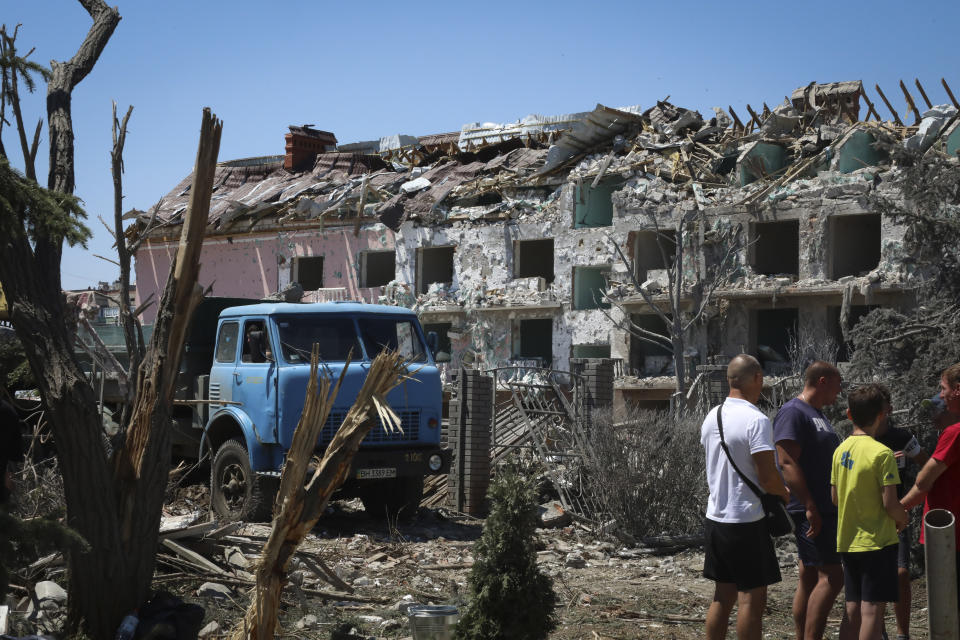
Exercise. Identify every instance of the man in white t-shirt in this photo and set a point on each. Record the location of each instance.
(739, 551)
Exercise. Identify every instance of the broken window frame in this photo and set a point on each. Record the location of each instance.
(757, 241)
(665, 242)
(297, 266)
(519, 272)
(422, 286)
(365, 268)
(605, 270)
(833, 272)
(517, 345)
(583, 201)
(636, 357)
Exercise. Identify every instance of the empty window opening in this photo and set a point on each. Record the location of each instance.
(650, 358)
(855, 244)
(533, 339)
(856, 314)
(589, 285)
(377, 268)
(593, 206)
(647, 254)
(434, 264)
(442, 329)
(590, 351)
(776, 248)
(308, 272)
(773, 330)
(533, 259)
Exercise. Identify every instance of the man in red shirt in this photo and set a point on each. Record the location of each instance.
(939, 479)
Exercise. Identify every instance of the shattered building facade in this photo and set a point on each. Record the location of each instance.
(504, 237)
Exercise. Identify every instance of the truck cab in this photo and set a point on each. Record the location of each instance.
(257, 383)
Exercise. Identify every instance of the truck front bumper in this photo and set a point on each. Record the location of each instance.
(372, 464)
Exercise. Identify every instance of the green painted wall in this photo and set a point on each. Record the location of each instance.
(588, 287)
(857, 152)
(594, 207)
(772, 156)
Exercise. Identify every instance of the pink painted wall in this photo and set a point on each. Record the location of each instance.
(253, 266)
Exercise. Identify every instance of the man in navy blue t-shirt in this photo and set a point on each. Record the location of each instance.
(805, 442)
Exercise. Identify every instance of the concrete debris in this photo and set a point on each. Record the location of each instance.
(417, 184)
(214, 590)
(553, 515)
(930, 126)
(210, 629)
(307, 622)
(235, 558)
(575, 560)
(49, 591)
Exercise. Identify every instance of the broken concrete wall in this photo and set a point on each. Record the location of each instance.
(255, 265)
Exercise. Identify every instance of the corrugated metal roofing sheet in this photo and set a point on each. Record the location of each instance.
(597, 127)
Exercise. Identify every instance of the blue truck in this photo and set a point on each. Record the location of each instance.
(242, 385)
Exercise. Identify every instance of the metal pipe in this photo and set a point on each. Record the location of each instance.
(940, 553)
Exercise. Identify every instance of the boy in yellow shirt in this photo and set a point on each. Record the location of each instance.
(864, 481)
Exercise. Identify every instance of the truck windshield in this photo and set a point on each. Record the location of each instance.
(397, 334)
(336, 336)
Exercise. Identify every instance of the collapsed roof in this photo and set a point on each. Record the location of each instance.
(490, 171)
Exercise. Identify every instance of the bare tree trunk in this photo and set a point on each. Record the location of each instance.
(116, 511)
(144, 463)
(130, 325)
(301, 506)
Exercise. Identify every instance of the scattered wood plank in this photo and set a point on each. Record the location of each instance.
(923, 93)
(913, 107)
(193, 531)
(194, 558)
(896, 118)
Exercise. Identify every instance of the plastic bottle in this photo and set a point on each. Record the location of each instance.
(128, 627)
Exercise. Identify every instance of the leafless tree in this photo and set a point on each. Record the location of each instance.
(702, 260)
(113, 502)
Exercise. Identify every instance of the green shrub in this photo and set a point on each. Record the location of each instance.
(509, 596)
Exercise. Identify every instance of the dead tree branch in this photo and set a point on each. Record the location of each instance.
(301, 506)
(132, 336)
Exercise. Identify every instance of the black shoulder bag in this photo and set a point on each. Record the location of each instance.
(779, 522)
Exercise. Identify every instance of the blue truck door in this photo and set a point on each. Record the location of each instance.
(224, 360)
(255, 379)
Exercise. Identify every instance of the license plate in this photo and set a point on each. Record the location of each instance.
(368, 474)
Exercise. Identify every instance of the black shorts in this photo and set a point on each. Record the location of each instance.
(871, 576)
(903, 548)
(740, 553)
(818, 551)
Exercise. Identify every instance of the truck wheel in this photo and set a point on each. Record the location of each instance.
(236, 493)
(394, 499)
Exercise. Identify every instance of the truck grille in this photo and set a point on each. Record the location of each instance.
(409, 422)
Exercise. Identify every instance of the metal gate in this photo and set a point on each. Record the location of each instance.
(544, 412)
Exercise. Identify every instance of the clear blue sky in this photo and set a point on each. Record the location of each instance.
(369, 69)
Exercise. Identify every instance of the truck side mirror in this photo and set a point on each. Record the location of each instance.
(433, 341)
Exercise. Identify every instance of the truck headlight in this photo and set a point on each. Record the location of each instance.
(435, 462)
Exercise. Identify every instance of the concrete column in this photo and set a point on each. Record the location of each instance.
(471, 425)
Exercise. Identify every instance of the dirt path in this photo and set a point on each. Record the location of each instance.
(605, 591)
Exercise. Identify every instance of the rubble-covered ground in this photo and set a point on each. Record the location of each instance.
(604, 590)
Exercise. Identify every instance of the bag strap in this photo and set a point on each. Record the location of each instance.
(723, 443)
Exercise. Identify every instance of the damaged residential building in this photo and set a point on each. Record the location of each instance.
(504, 237)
